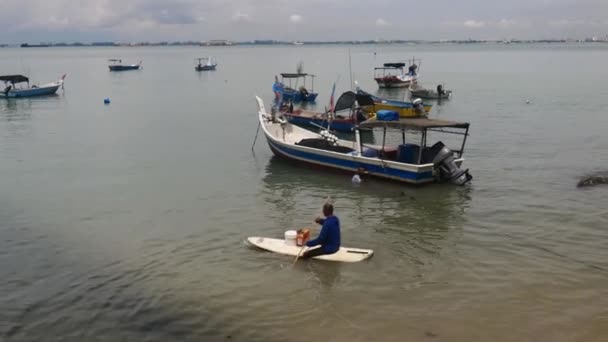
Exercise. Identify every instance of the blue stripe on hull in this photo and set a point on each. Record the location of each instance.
(375, 170)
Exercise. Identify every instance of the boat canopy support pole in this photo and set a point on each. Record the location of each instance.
(383, 138)
(422, 143)
(358, 141)
(464, 140)
(403, 135)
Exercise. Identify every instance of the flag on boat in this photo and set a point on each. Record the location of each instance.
(331, 98)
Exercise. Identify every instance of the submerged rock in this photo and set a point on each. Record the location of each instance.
(592, 180)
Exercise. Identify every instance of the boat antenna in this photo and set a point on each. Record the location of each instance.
(350, 70)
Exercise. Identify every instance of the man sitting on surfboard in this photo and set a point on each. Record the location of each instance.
(329, 237)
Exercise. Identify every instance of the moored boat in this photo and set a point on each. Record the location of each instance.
(426, 93)
(12, 90)
(407, 162)
(117, 66)
(292, 91)
(205, 64)
(344, 117)
(405, 109)
(392, 75)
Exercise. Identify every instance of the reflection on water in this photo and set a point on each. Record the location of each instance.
(402, 220)
(16, 109)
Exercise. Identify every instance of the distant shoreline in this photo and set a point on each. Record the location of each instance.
(300, 43)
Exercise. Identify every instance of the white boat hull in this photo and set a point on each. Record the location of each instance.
(344, 254)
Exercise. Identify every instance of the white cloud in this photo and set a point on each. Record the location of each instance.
(295, 18)
(504, 22)
(381, 22)
(240, 17)
(474, 24)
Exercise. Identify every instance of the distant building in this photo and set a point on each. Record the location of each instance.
(217, 42)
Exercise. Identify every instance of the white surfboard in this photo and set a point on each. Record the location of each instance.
(344, 254)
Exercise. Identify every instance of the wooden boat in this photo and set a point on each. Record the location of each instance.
(405, 109)
(116, 66)
(407, 162)
(208, 64)
(12, 90)
(426, 93)
(392, 75)
(343, 118)
(289, 92)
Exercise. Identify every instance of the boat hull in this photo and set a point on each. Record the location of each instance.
(405, 109)
(394, 81)
(430, 95)
(205, 67)
(351, 164)
(123, 67)
(31, 92)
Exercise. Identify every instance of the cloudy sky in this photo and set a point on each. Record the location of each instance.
(156, 20)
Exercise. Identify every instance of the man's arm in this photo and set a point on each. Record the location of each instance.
(320, 239)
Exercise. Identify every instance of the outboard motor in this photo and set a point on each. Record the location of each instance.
(447, 166)
(418, 105)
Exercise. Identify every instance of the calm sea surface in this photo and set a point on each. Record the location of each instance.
(126, 222)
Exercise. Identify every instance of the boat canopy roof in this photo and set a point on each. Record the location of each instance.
(288, 75)
(115, 60)
(394, 65)
(347, 100)
(419, 124)
(14, 78)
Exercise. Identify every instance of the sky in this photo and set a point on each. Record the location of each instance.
(37, 21)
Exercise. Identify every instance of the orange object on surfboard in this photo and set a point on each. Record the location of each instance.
(303, 236)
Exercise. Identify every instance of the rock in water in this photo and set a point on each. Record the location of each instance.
(592, 180)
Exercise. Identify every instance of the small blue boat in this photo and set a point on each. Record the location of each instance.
(290, 93)
(122, 67)
(12, 90)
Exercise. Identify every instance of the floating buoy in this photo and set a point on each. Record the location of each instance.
(106, 101)
(527, 101)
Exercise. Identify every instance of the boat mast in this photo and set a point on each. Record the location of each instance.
(350, 70)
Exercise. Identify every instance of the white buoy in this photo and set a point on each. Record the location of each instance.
(356, 179)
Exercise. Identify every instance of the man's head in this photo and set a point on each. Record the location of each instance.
(328, 209)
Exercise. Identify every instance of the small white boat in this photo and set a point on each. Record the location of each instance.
(408, 162)
(392, 75)
(205, 64)
(12, 89)
(426, 93)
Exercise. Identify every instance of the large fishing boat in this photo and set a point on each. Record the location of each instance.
(407, 162)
